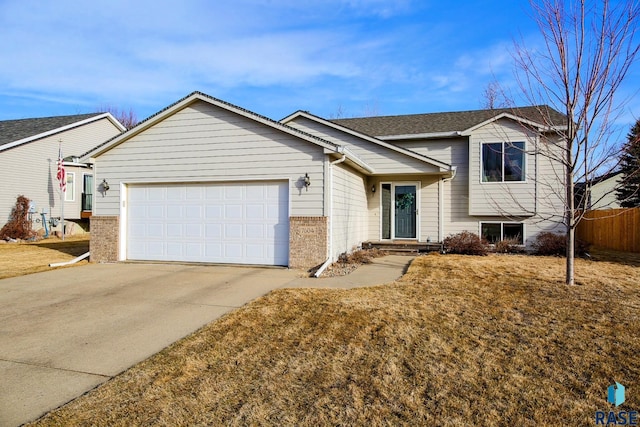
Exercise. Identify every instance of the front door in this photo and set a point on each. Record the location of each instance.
(399, 203)
(405, 211)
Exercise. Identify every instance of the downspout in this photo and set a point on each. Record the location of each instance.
(330, 243)
(441, 203)
(73, 261)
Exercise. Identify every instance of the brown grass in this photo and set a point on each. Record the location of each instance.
(18, 259)
(460, 340)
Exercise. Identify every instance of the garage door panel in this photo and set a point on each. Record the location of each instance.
(227, 223)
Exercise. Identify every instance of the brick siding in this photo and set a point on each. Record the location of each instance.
(308, 237)
(104, 238)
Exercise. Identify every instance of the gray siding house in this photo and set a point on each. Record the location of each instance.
(207, 181)
(29, 151)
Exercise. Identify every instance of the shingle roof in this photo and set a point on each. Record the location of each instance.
(15, 130)
(413, 124)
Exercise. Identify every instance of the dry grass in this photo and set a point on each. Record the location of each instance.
(18, 259)
(460, 340)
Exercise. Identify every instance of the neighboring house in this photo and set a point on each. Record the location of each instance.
(29, 150)
(207, 181)
(602, 193)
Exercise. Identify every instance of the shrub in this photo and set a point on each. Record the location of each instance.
(18, 226)
(556, 244)
(509, 246)
(465, 243)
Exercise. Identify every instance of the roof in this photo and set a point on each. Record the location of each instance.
(457, 121)
(333, 124)
(199, 96)
(15, 130)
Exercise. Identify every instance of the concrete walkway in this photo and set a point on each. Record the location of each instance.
(63, 332)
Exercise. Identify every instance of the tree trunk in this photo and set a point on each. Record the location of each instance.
(569, 278)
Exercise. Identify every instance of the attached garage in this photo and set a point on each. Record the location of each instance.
(236, 223)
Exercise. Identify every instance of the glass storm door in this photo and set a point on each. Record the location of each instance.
(405, 211)
(399, 211)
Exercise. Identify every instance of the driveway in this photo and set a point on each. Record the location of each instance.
(63, 332)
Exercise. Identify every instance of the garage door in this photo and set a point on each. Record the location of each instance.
(239, 223)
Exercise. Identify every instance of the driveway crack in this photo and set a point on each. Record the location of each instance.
(54, 368)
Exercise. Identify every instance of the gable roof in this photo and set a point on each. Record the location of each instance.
(199, 96)
(392, 147)
(21, 131)
(449, 123)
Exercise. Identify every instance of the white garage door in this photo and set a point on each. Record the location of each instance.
(238, 223)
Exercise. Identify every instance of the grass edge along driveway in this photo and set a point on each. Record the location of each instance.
(459, 340)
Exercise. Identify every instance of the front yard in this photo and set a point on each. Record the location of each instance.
(18, 259)
(459, 340)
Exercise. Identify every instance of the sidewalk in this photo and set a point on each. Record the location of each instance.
(381, 270)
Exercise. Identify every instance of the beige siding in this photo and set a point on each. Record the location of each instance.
(497, 198)
(455, 200)
(428, 210)
(456, 192)
(30, 169)
(383, 160)
(205, 143)
(603, 194)
(349, 222)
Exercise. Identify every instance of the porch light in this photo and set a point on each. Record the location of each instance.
(307, 181)
(373, 188)
(105, 185)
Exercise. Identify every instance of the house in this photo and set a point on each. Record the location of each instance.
(207, 181)
(29, 150)
(602, 191)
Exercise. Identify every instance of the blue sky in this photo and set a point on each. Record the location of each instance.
(348, 57)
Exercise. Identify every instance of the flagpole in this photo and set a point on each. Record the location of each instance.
(62, 177)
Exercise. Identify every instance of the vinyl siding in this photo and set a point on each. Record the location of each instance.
(205, 143)
(502, 198)
(30, 169)
(349, 222)
(456, 193)
(428, 210)
(383, 160)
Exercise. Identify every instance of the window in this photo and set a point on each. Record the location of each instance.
(503, 161)
(493, 232)
(69, 195)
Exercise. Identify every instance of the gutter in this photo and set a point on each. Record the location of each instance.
(73, 261)
(324, 266)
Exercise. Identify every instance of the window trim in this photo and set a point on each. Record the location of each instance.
(502, 224)
(72, 197)
(504, 144)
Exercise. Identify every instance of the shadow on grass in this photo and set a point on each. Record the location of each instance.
(73, 247)
(608, 255)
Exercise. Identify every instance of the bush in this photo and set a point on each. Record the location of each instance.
(19, 226)
(556, 244)
(509, 246)
(465, 243)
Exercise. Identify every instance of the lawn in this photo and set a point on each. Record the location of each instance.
(459, 340)
(18, 259)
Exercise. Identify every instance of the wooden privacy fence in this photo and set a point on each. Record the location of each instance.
(617, 229)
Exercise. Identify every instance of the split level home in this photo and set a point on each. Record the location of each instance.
(207, 181)
(29, 151)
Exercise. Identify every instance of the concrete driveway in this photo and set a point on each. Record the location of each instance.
(63, 332)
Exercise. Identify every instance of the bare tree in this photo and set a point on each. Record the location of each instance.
(128, 119)
(589, 46)
(493, 97)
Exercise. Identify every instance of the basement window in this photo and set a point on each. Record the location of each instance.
(493, 232)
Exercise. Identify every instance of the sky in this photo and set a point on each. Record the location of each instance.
(333, 58)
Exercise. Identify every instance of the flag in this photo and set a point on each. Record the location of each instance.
(61, 175)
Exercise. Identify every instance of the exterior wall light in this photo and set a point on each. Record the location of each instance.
(307, 181)
(373, 188)
(105, 185)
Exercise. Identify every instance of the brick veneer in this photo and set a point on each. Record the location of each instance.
(104, 238)
(308, 236)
